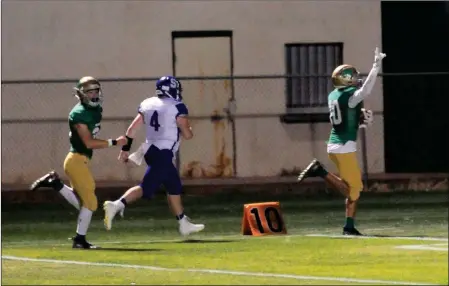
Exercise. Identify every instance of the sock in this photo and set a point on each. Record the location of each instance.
(70, 196)
(180, 217)
(58, 184)
(321, 172)
(349, 222)
(80, 237)
(121, 203)
(83, 221)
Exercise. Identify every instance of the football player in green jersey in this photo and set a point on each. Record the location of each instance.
(84, 124)
(347, 115)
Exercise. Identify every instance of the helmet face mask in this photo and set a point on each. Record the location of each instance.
(88, 91)
(169, 86)
(346, 76)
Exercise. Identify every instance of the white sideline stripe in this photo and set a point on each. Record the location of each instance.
(380, 228)
(58, 242)
(213, 271)
(435, 247)
(207, 238)
(379, 237)
(211, 238)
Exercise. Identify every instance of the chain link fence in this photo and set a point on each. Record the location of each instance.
(238, 126)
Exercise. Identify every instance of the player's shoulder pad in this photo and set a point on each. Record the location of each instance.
(79, 114)
(145, 104)
(348, 93)
(351, 90)
(182, 109)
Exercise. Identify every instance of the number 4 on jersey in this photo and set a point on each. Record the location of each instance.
(154, 121)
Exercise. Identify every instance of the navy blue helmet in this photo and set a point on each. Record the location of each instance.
(170, 87)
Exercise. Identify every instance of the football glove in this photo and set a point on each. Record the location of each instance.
(367, 118)
(378, 57)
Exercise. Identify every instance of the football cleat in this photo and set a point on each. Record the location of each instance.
(110, 210)
(351, 231)
(50, 180)
(186, 227)
(312, 170)
(81, 243)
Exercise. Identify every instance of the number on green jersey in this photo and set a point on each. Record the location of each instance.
(335, 112)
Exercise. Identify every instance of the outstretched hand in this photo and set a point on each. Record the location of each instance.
(378, 56)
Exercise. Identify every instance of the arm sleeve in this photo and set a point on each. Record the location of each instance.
(366, 88)
(182, 110)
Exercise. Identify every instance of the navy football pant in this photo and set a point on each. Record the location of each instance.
(160, 171)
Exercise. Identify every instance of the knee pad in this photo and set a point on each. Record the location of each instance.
(90, 201)
(354, 196)
(354, 193)
(92, 204)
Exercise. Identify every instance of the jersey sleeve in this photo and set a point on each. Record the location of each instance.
(182, 110)
(76, 117)
(142, 110)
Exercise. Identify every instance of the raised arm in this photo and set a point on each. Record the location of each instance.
(369, 82)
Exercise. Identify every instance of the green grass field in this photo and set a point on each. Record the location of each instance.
(145, 248)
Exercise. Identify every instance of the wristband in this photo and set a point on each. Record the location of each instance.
(127, 147)
(112, 142)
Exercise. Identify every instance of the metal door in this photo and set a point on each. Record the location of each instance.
(211, 152)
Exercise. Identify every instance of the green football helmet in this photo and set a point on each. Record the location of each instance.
(345, 76)
(88, 91)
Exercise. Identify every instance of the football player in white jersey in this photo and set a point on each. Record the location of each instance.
(165, 117)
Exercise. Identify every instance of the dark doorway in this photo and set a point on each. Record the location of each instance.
(415, 36)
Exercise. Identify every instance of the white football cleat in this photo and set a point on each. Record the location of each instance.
(110, 210)
(186, 227)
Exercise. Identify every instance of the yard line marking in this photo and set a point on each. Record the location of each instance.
(211, 238)
(434, 247)
(379, 237)
(382, 228)
(214, 271)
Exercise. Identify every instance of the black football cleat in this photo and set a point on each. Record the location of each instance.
(351, 231)
(312, 170)
(50, 180)
(81, 243)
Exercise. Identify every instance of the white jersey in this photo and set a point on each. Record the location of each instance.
(160, 121)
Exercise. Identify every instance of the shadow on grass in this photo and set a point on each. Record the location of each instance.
(206, 241)
(126, 249)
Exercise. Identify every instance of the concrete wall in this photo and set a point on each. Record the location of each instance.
(58, 39)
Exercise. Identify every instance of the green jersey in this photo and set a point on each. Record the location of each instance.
(344, 120)
(88, 116)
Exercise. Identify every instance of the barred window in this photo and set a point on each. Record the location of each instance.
(310, 66)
